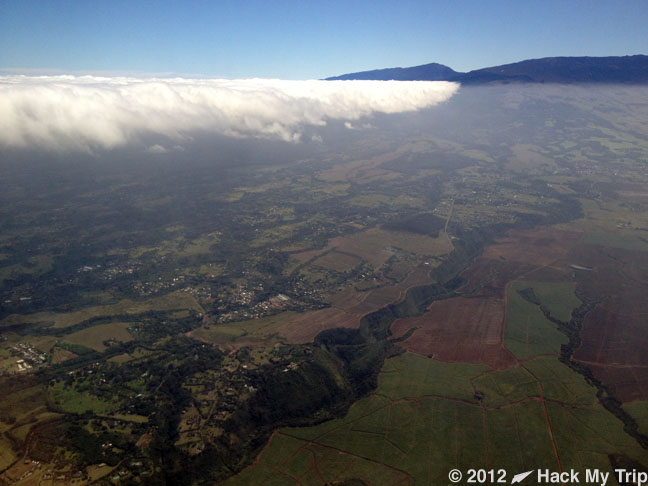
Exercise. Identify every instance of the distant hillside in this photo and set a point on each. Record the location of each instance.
(626, 69)
(426, 72)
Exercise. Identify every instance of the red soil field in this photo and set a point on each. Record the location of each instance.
(488, 277)
(629, 382)
(466, 329)
(304, 328)
(541, 246)
(540, 254)
(614, 336)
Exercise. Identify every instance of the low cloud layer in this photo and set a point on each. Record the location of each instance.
(86, 113)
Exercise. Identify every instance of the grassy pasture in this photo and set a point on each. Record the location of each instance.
(527, 157)
(60, 355)
(376, 200)
(8, 365)
(139, 419)
(558, 298)
(338, 189)
(33, 266)
(327, 431)
(276, 234)
(125, 358)
(561, 383)
(7, 453)
(370, 200)
(528, 333)
(340, 262)
(23, 404)
(354, 170)
(313, 464)
(639, 411)
(375, 239)
(121, 358)
(255, 329)
(411, 375)
(376, 245)
(179, 247)
(20, 411)
(168, 302)
(423, 420)
(601, 220)
(209, 269)
(508, 386)
(626, 242)
(514, 447)
(526, 431)
(93, 337)
(73, 401)
(42, 343)
(218, 334)
(584, 436)
(231, 196)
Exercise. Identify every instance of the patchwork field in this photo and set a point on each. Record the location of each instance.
(516, 406)
(425, 418)
(608, 269)
(471, 328)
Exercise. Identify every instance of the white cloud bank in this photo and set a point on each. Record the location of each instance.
(85, 112)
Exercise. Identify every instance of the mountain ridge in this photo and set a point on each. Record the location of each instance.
(610, 69)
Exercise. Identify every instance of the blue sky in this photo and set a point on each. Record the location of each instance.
(307, 39)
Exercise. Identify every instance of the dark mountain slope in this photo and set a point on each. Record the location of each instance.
(626, 69)
(615, 69)
(425, 72)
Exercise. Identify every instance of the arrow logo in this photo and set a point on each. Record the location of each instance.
(518, 478)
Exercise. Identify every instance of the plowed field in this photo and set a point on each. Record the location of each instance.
(462, 329)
